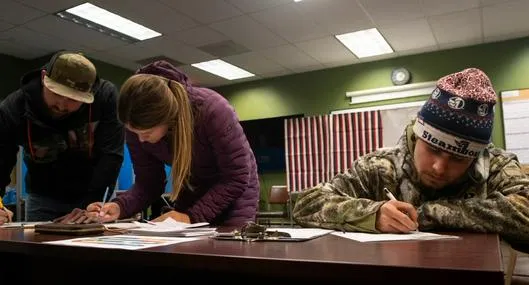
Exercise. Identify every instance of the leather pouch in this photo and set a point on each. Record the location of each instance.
(70, 229)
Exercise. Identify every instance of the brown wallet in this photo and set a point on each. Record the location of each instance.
(69, 229)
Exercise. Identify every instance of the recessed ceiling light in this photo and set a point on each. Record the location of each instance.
(93, 16)
(365, 43)
(223, 69)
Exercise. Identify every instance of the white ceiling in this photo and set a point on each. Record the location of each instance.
(267, 37)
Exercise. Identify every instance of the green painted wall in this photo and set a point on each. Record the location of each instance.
(319, 92)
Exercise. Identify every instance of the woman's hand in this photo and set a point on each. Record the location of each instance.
(109, 212)
(6, 216)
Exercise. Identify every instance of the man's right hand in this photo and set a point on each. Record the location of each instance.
(396, 217)
(109, 212)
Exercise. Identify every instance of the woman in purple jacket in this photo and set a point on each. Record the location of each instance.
(195, 131)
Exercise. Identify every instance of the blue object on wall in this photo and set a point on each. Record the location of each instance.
(125, 178)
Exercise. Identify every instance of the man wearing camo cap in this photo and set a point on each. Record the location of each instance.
(444, 174)
(64, 117)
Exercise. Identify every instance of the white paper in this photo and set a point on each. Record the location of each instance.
(170, 227)
(120, 226)
(122, 241)
(301, 233)
(366, 237)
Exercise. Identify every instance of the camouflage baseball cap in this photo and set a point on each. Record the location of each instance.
(71, 75)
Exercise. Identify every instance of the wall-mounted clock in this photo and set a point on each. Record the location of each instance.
(400, 76)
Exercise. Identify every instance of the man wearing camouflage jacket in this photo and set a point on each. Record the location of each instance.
(444, 172)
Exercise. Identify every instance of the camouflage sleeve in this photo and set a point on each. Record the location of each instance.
(505, 210)
(346, 203)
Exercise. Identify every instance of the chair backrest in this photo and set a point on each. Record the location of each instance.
(278, 194)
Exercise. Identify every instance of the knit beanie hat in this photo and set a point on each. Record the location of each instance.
(458, 116)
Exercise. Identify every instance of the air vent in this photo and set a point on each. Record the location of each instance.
(146, 61)
(223, 49)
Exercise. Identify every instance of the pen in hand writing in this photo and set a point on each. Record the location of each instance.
(103, 204)
(391, 197)
(389, 194)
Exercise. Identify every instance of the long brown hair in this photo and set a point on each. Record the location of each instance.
(147, 101)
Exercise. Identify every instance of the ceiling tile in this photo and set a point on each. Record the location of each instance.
(255, 63)
(248, 6)
(340, 16)
(276, 73)
(385, 12)
(133, 52)
(199, 36)
(409, 35)
(290, 57)
(504, 19)
(20, 50)
(327, 50)
(201, 78)
(114, 60)
(457, 27)
(464, 43)
(170, 47)
(5, 26)
(151, 14)
(248, 32)
(491, 2)
(16, 13)
(418, 51)
(290, 23)
(85, 37)
(216, 10)
(436, 7)
(39, 41)
(52, 6)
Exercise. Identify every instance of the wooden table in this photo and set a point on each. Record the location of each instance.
(325, 260)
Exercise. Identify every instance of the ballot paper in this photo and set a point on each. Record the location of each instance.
(121, 241)
(415, 235)
(170, 227)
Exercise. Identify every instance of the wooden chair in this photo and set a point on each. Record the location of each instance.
(513, 254)
(278, 195)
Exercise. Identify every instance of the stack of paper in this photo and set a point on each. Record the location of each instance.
(170, 227)
(416, 235)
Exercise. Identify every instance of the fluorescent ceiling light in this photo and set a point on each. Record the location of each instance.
(223, 69)
(365, 43)
(297, 0)
(111, 21)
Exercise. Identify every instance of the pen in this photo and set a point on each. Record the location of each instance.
(103, 204)
(389, 194)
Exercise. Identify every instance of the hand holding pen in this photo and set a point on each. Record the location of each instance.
(395, 216)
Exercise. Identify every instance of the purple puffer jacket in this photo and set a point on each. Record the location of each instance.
(223, 172)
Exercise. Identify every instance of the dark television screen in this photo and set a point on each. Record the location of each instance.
(267, 139)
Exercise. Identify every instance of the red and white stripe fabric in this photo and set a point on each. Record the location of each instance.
(319, 147)
(306, 151)
(353, 135)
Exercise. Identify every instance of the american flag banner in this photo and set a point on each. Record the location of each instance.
(353, 135)
(307, 151)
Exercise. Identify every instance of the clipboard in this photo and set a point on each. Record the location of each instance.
(274, 235)
(69, 229)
